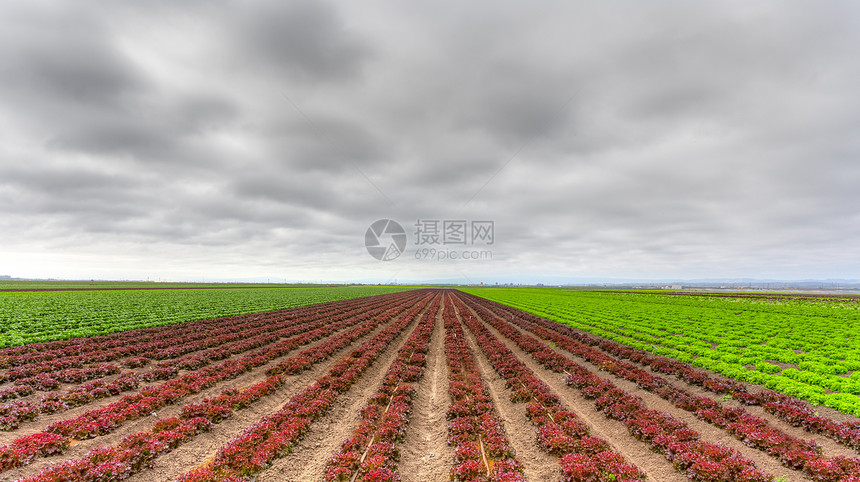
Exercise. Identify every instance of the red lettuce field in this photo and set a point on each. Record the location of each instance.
(419, 385)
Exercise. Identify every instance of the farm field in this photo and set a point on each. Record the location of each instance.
(42, 316)
(425, 384)
(807, 346)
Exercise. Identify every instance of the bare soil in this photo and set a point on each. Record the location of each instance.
(425, 453)
(538, 464)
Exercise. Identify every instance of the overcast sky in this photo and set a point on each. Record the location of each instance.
(191, 140)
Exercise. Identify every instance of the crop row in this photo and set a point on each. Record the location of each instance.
(274, 435)
(302, 361)
(559, 431)
(481, 447)
(115, 345)
(371, 453)
(254, 337)
(751, 430)
(97, 389)
(176, 341)
(152, 343)
(166, 342)
(104, 420)
(136, 452)
(697, 459)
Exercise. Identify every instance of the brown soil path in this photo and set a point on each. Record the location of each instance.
(537, 464)
(425, 454)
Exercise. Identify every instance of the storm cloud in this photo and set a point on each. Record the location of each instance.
(189, 140)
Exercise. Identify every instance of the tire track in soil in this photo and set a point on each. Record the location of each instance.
(427, 432)
(537, 464)
(707, 431)
(615, 433)
(830, 447)
(257, 375)
(308, 459)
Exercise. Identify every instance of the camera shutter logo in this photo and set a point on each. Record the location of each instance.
(385, 239)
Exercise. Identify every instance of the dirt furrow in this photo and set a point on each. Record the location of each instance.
(308, 459)
(425, 453)
(538, 465)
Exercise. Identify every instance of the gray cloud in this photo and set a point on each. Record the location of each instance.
(306, 41)
(229, 139)
(61, 55)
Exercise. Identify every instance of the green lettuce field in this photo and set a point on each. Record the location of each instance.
(803, 346)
